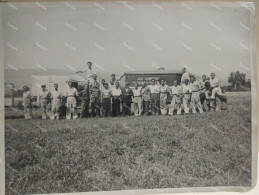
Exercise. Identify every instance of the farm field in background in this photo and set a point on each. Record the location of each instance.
(99, 154)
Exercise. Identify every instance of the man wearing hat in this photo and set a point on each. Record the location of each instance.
(163, 97)
(27, 103)
(195, 88)
(127, 95)
(186, 91)
(71, 104)
(154, 96)
(106, 100)
(95, 93)
(55, 102)
(44, 99)
(84, 95)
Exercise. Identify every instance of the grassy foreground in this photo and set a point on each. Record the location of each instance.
(211, 149)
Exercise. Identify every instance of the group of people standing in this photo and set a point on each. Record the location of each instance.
(105, 99)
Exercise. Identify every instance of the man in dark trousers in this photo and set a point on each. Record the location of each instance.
(84, 95)
(127, 95)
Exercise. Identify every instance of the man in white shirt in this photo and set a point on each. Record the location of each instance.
(214, 84)
(27, 103)
(163, 97)
(116, 99)
(154, 96)
(185, 75)
(44, 99)
(175, 91)
(137, 100)
(71, 104)
(55, 102)
(186, 91)
(89, 72)
(195, 88)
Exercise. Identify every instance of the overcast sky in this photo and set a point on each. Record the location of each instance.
(120, 37)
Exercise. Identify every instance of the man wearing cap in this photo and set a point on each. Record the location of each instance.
(106, 100)
(176, 93)
(95, 93)
(71, 104)
(116, 99)
(55, 102)
(137, 100)
(185, 75)
(84, 95)
(27, 103)
(186, 91)
(44, 99)
(163, 97)
(127, 95)
(195, 89)
(146, 99)
(154, 97)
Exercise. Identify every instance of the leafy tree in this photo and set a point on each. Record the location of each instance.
(237, 78)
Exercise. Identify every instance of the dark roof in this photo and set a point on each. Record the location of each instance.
(155, 72)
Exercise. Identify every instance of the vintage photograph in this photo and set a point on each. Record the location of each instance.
(120, 95)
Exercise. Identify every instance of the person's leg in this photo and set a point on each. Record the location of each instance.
(172, 105)
(68, 109)
(44, 111)
(83, 109)
(128, 105)
(75, 113)
(139, 106)
(185, 104)
(152, 101)
(193, 103)
(135, 108)
(157, 104)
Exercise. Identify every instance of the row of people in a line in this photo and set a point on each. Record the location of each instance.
(102, 99)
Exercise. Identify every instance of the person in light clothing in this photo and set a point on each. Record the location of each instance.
(44, 99)
(195, 88)
(176, 93)
(214, 84)
(185, 76)
(186, 91)
(55, 102)
(106, 94)
(71, 104)
(137, 100)
(146, 99)
(116, 99)
(113, 81)
(27, 99)
(89, 72)
(164, 89)
(154, 96)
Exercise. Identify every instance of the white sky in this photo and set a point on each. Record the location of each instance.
(120, 37)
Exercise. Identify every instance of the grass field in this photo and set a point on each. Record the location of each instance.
(211, 149)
